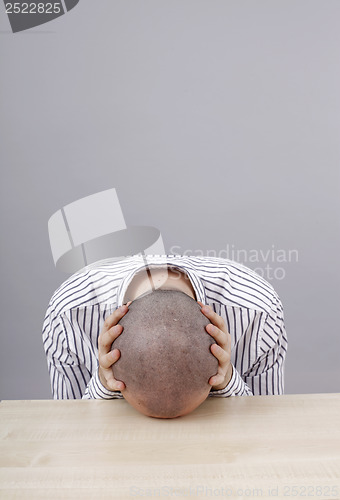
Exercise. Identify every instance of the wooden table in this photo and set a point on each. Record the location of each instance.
(239, 447)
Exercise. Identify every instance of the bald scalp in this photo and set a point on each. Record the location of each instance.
(165, 359)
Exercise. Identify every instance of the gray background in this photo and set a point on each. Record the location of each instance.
(217, 122)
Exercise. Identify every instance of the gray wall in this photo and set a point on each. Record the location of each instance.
(217, 122)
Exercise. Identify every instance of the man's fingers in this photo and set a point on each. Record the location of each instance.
(107, 360)
(115, 385)
(114, 318)
(216, 379)
(223, 362)
(217, 334)
(118, 386)
(214, 318)
(221, 350)
(112, 383)
(106, 373)
(111, 330)
(221, 355)
(106, 338)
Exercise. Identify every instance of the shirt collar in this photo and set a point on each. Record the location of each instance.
(144, 261)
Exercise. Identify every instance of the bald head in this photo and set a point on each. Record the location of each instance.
(165, 358)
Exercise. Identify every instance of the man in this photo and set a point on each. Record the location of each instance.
(244, 312)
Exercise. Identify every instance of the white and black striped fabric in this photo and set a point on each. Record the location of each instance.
(249, 305)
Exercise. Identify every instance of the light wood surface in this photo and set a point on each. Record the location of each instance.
(239, 447)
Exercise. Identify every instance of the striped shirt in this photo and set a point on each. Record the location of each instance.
(249, 305)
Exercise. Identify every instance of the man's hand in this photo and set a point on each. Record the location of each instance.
(111, 330)
(221, 350)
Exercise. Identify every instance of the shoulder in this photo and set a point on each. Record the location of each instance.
(93, 285)
(234, 284)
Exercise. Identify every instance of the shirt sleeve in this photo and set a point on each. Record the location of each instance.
(266, 376)
(55, 346)
(236, 387)
(96, 390)
(70, 379)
